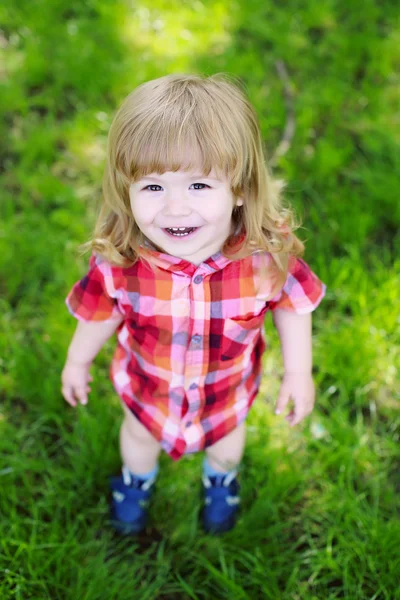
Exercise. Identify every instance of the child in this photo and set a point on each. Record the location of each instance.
(192, 248)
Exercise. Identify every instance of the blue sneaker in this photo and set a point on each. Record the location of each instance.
(130, 499)
(221, 502)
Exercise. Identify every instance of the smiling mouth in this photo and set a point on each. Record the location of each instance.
(180, 231)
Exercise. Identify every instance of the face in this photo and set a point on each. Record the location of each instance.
(185, 214)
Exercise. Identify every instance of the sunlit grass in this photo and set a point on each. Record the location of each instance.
(175, 31)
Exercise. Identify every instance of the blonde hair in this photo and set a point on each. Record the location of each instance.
(211, 117)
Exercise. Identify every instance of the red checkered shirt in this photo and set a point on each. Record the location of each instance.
(188, 359)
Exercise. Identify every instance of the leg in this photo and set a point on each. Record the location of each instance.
(139, 450)
(132, 491)
(227, 453)
(221, 494)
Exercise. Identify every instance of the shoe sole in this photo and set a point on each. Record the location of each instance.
(126, 528)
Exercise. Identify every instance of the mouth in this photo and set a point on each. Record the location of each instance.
(180, 232)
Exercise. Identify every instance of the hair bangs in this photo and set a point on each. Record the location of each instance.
(192, 137)
(168, 150)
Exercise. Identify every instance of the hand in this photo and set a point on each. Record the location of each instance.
(300, 388)
(75, 379)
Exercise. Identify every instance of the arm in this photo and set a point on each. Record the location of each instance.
(296, 343)
(88, 339)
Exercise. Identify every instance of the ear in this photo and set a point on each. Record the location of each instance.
(239, 202)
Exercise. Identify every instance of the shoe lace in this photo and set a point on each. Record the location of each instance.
(224, 480)
(131, 480)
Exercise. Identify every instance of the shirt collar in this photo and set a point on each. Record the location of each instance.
(174, 264)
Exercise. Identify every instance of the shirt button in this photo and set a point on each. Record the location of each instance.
(196, 339)
(193, 386)
(198, 279)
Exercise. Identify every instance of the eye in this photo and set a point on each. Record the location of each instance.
(200, 186)
(153, 187)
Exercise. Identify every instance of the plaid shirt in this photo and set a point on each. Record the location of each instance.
(188, 359)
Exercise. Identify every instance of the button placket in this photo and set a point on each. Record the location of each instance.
(196, 350)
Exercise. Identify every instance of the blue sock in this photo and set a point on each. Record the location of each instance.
(127, 474)
(210, 472)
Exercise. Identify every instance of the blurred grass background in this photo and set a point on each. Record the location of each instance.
(321, 501)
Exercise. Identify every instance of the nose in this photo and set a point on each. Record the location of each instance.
(176, 205)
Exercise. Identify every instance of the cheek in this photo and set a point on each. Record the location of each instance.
(143, 211)
(220, 210)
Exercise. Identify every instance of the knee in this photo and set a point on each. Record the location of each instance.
(136, 431)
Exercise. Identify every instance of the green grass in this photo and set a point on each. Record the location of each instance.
(321, 501)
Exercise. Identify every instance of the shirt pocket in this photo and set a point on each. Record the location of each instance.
(239, 333)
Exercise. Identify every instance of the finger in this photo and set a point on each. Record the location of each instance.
(283, 400)
(295, 418)
(82, 396)
(291, 419)
(68, 395)
(300, 412)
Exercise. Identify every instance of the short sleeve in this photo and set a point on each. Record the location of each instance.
(302, 291)
(94, 297)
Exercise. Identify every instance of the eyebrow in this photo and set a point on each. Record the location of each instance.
(195, 176)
